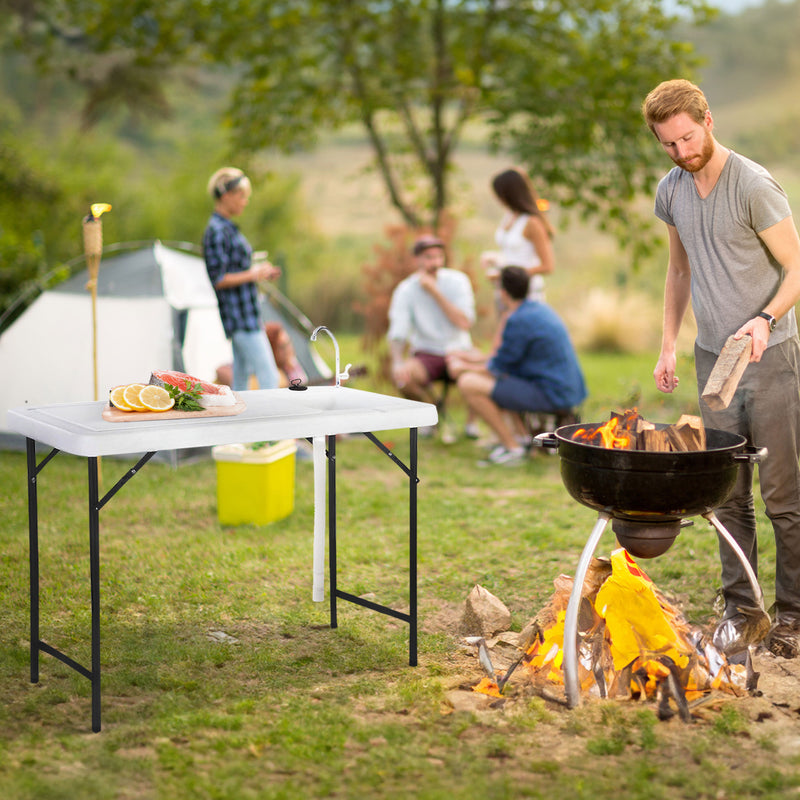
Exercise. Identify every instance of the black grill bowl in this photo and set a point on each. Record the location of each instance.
(647, 486)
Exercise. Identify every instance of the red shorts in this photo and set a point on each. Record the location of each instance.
(434, 364)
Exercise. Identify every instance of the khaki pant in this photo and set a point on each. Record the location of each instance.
(765, 410)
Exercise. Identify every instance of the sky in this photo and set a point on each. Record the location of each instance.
(733, 6)
(729, 6)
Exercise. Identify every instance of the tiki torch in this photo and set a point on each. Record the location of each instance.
(93, 248)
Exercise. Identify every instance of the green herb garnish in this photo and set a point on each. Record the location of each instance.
(187, 399)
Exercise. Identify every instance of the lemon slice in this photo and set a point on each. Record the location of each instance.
(156, 398)
(131, 396)
(115, 397)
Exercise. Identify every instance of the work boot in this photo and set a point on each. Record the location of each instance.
(746, 626)
(783, 638)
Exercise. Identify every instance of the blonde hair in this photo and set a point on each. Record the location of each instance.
(674, 97)
(227, 179)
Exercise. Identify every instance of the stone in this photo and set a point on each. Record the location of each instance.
(484, 614)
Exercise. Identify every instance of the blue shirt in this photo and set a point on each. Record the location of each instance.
(536, 347)
(225, 250)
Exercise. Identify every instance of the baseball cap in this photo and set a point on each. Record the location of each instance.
(426, 243)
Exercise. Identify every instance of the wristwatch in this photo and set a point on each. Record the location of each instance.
(771, 321)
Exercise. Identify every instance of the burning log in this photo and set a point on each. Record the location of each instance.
(630, 431)
(635, 644)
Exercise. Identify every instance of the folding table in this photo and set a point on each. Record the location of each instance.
(318, 414)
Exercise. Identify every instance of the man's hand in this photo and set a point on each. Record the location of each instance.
(758, 328)
(456, 316)
(401, 373)
(428, 282)
(664, 373)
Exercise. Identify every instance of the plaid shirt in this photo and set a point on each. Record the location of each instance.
(225, 250)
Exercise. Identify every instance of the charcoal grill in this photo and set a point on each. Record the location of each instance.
(648, 497)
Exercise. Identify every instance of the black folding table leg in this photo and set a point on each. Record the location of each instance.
(33, 538)
(412, 546)
(94, 578)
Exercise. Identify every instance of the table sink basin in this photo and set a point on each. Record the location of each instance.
(339, 398)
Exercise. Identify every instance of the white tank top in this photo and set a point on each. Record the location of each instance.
(518, 251)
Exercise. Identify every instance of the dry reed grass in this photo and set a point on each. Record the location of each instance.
(621, 321)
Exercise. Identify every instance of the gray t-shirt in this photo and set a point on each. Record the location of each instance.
(734, 275)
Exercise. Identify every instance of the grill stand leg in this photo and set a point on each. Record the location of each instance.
(751, 575)
(570, 661)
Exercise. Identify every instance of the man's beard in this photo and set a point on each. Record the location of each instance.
(699, 162)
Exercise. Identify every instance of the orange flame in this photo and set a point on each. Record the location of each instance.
(487, 686)
(605, 436)
(660, 640)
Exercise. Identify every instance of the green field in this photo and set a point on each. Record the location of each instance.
(222, 679)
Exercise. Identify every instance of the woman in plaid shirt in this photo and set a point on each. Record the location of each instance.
(234, 275)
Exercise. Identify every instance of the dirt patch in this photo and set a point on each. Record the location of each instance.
(772, 712)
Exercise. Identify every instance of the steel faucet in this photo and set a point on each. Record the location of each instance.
(339, 375)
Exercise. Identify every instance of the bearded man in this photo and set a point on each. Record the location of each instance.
(430, 315)
(734, 250)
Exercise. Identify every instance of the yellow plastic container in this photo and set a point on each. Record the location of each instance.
(255, 486)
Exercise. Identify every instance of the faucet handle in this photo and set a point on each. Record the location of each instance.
(346, 374)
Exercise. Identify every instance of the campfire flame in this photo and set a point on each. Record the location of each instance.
(628, 430)
(639, 644)
(606, 435)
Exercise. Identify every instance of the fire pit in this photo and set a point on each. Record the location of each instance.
(646, 492)
(648, 486)
(646, 495)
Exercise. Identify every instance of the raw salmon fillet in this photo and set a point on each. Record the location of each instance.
(211, 394)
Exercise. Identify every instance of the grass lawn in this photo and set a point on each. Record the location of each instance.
(282, 706)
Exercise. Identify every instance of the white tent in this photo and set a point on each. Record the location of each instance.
(156, 309)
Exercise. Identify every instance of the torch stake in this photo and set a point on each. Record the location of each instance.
(93, 250)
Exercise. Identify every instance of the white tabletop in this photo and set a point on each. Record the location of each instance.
(79, 428)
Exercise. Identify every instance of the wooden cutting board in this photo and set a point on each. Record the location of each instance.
(111, 414)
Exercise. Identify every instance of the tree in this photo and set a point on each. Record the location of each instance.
(559, 85)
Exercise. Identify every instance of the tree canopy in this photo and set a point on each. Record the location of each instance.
(556, 83)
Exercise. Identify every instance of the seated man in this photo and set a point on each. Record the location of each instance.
(430, 314)
(534, 368)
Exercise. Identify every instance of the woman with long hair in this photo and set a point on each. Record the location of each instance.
(524, 235)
